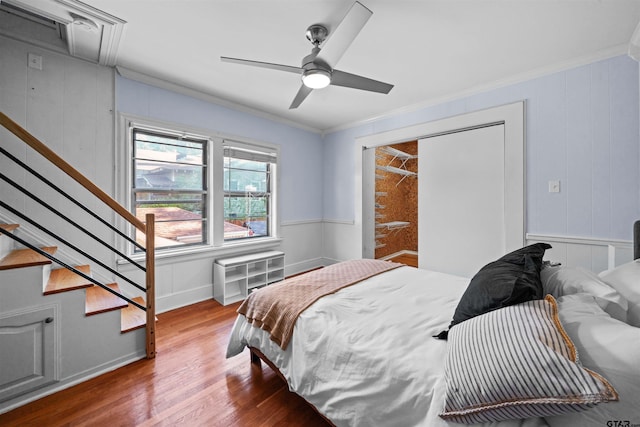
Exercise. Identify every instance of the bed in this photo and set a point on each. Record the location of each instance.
(371, 351)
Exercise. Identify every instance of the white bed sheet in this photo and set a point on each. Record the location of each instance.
(348, 359)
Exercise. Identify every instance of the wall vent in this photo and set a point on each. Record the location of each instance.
(89, 33)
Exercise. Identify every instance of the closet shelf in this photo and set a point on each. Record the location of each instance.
(399, 171)
(398, 153)
(393, 225)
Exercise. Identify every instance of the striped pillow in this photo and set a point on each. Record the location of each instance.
(517, 362)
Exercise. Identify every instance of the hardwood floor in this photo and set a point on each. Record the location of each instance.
(189, 383)
(408, 259)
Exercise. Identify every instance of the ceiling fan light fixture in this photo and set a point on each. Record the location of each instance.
(316, 78)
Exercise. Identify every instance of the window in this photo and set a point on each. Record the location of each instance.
(204, 191)
(170, 180)
(248, 177)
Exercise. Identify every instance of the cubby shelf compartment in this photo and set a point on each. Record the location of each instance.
(235, 277)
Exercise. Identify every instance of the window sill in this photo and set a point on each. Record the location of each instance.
(194, 253)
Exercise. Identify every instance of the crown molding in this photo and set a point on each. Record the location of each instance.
(634, 44)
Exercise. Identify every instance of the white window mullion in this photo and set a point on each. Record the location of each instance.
(217, 192)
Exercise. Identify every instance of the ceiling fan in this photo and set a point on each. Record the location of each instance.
(317, 68)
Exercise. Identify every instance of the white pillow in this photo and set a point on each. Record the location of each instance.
(609, 347)
(559, 281)
(626, 280)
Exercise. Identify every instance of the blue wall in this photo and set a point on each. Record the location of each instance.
(300, 171)
(582, 128)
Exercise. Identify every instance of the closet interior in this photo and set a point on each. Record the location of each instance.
(396, 202)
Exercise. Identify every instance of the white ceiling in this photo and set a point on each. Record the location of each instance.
(430, 50)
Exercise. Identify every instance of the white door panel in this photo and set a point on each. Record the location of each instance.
(461, 200)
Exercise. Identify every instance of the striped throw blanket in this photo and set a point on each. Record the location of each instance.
(276, 307)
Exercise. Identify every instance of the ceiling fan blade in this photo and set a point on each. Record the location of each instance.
(340, 78)
(300, 96)
(269, 65)
(344, 34)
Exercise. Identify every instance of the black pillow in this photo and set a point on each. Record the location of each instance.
(510, 280)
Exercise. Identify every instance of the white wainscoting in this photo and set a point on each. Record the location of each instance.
(302, 244)
(342, 241)
(593, 254)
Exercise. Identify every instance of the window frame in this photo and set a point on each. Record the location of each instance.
(255, 153)
(215, 176)
(204, 192)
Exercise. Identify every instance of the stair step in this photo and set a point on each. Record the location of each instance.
(99, 300)
(62, 280)
(19, 258)
(9, 227)
(132, 317)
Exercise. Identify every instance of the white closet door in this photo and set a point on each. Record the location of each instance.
(461, 200)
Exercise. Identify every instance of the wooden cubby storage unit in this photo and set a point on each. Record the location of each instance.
(235, 277)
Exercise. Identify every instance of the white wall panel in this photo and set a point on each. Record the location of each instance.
(592, 254)
(69, 106)
(303, 244)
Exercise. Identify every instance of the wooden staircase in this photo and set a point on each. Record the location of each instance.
(47, 342)
(97, 299)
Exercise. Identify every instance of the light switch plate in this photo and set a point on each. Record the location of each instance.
(35, 61)
(554, 186)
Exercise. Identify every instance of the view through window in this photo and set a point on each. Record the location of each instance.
(170, 181)
(247, 192)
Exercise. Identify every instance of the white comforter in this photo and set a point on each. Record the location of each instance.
(365, 356)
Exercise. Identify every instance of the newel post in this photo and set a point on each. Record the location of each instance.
(150, 285)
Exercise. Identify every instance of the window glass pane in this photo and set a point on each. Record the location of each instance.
(162, 148)
(230, 162)
(245, 180)
(153, 174)
(175, 223)
(169, 181)
(247, 189)
(246, 216)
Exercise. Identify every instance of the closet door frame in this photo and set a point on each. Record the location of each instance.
(511, 115)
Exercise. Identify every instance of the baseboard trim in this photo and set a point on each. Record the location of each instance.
(182, 299)
(301, 267)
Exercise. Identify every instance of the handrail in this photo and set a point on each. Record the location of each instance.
(147, 227)
(51, 156)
